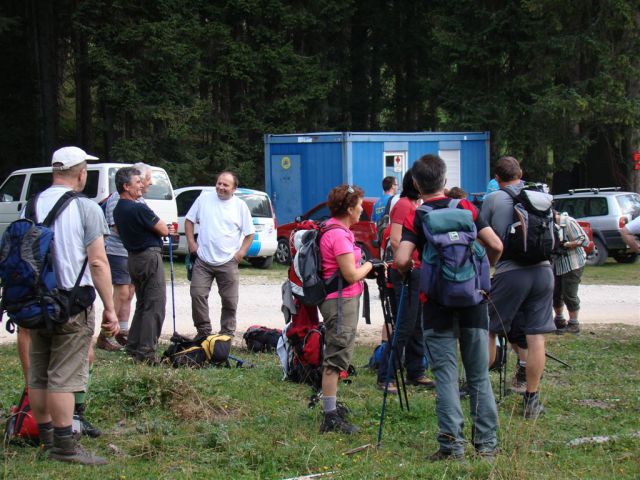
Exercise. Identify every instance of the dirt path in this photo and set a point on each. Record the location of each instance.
(260, 301)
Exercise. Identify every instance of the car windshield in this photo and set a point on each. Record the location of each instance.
(258, 204)
(160, 188)
(629, 204)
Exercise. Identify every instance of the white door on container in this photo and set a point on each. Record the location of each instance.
(452, 160)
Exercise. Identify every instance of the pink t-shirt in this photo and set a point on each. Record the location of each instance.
(339, 241)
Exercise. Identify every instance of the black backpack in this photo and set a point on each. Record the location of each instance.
(261, 339)
(532, 236)
(199, 352)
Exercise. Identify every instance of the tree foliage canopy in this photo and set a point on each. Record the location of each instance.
(193, 85)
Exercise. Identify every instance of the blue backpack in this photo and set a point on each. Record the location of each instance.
(30, 294)
(455, 268)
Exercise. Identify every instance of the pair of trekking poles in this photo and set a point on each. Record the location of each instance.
(394, 363)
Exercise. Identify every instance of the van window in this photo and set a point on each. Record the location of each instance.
(160, 188)
(11, 190)
(629, 204)
(185, 199)
(258, 204)
(39, 182)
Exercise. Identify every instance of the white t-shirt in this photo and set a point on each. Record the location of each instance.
(74, 230)
(634, 226)
(223, 224)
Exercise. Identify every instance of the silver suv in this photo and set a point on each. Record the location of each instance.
(607, 210)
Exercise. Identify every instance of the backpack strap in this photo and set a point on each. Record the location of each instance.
(509, 192)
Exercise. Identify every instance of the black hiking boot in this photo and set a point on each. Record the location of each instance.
(45, 439)
(519, 380)
(532, 408)
(333, 422)
(86, 428)
(441, 455)
(342, 410)
(67, 449)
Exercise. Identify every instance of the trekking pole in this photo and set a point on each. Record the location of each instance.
(548, 355)
(388, 320)
(173, 294)
(393, 345)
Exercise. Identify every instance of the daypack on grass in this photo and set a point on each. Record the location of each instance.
(455, 268)
(199, 352)
(21, 423)
(261, 339)
(532, 236)
(30, 294)
(305, 272)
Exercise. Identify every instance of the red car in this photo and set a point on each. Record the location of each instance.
(365, 230)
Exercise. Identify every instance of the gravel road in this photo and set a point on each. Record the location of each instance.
(260, 301)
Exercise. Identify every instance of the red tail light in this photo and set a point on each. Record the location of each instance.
(622, 221)
(176, 237)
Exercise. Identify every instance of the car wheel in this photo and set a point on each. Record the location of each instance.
(261, 262)
(283, 254)
(626, 258)
(599, 255)
(365, 253)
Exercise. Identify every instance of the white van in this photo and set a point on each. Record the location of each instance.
(265, 240)
(23, 184)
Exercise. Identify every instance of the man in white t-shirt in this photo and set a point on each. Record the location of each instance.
(225, 234)
(629, 231)
(58, 359)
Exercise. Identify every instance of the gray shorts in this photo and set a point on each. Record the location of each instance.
(119, 270)
(526, 290)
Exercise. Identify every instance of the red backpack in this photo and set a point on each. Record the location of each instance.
(21, 424)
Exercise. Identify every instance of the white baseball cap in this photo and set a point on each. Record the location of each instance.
(69, 157)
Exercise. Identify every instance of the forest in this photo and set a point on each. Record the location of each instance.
(193, 85)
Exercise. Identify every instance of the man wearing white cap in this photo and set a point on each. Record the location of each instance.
(58, 360)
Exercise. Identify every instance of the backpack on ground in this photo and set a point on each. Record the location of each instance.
(532, 236)
(261, 339)
(305, 272)
(21, 423)
(30, 293)
(455, 268)
(199, 352)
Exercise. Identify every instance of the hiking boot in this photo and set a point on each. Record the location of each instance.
(463, 390)
(342, 410)
(532, 407)
(561, 324)
(333, 422)
(67, 449)
(122, 337)
(45, 440)
(86, 428)
(109, 344)
(519, 380)
(488, 455)
(391, 389)
(422, 381)
(441, 455)
(572, 327)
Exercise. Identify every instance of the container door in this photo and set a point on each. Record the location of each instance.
(285, 182)
(395, 165)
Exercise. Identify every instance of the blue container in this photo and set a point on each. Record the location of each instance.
(300, 169)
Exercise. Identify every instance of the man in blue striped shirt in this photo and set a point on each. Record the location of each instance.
(568, 265)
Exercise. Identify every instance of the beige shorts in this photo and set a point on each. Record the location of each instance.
(58, 360)
(340, 334)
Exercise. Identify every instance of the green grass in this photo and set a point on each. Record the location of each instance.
(612, 273)
(248, 424)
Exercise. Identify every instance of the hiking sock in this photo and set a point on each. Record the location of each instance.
(529, 395)
(522, 363)
(45, 426)
(329, 404)
(63, 431)
(124, 326)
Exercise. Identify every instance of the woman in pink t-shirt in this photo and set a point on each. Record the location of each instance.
(340, 253)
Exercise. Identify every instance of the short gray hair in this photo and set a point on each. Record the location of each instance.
(142, 167)
(125, 176)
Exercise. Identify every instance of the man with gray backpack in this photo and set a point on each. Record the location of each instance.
(456, 248)
(523, 281)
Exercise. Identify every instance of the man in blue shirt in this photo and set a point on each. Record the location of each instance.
(390, 187)
(141, 232)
